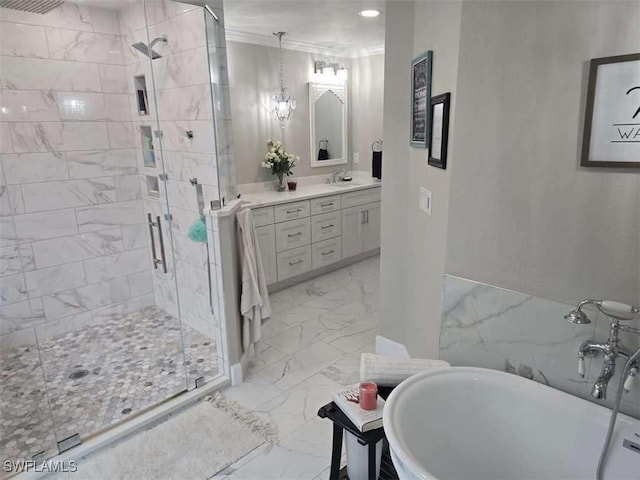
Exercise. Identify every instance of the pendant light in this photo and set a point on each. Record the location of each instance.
(284, 104)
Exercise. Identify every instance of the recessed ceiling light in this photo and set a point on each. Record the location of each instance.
(369, 13)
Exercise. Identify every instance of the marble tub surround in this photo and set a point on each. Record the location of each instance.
(73, 237)
(487, 326)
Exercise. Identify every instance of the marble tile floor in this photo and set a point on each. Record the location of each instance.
(96, 376)
(311, 348)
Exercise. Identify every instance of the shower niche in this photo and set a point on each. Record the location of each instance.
(142, 100)
(148, 153)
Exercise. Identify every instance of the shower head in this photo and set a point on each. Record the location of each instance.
(148, 50)
(32, 6)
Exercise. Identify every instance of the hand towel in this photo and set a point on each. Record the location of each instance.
(254, 300)
(376, 165)
(389, 372)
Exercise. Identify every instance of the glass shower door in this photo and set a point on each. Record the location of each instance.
(186, 120)
(122, 351)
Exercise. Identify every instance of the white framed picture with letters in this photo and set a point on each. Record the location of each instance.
(612, 119)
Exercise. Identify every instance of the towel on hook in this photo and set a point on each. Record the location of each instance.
(254, 300)
(323, 154)
(376, 165)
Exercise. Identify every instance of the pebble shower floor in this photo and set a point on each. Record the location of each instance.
(95, 377)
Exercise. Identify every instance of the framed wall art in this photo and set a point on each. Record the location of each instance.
(439, 137)
(611, 135)
(420, 97)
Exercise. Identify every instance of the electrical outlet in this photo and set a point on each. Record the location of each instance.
(356, 158)
(425, 200)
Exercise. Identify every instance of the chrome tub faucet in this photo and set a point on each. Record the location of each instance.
(611, 350)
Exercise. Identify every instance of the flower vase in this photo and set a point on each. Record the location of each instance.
(280, 186)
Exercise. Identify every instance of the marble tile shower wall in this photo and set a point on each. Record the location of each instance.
(73, 243)
(491, 327)
(184, 104)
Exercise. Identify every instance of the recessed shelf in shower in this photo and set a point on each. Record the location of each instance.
(140, 84)
(153, 186)
(148, 153)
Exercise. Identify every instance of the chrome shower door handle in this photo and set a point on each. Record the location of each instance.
(161, 238)
(154, 258)
(152, 224)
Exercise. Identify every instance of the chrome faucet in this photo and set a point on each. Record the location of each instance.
(337, 176)
(611, 350)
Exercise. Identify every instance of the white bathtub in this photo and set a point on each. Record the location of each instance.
(473, 423)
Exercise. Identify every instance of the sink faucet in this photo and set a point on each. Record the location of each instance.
(337, 176)
(611, 350)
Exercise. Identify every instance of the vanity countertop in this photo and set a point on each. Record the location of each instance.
(305, 192)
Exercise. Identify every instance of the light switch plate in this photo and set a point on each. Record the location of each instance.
(425, 200)
(356, 158)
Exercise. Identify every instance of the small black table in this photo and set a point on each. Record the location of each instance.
(340, 423)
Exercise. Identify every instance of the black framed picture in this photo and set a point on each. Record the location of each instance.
(420, 95)
(611, 135)
(439, 138)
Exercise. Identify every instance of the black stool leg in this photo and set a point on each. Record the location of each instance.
(372, 461)
(336, 453)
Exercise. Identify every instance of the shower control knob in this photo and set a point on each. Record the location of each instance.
(581, 370)
(628, 383)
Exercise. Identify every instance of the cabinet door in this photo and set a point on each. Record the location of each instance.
(267, 244)
(371, 227)
(352, 219)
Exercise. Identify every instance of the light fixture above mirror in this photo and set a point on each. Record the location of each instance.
(329, 72)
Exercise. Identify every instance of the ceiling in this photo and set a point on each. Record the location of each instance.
(331, 26)
(327, 24)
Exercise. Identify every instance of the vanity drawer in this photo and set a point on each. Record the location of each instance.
(292, 234)
(325, 226)
(325, 204)
(327, 252)
(291, 211)
(361, 197)
(294, 262)
(262, 216)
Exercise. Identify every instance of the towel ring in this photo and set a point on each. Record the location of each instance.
(326, 143)
(373, 145)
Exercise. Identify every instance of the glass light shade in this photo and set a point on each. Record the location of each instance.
(284, 105)
(328, 71)
(369, 13)
(342, 73)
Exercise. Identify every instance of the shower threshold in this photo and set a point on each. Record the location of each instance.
(144, 420)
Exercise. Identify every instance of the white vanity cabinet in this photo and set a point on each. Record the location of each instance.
(296, 237)
(360, 229)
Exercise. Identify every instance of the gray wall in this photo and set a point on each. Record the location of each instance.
(523, 214)
(413, 244)
(513, 209)
(254, 76)
(367, 92)
(253, 79)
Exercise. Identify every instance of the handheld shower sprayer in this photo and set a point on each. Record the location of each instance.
(615, 310)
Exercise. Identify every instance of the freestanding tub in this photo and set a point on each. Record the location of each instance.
(474, 423)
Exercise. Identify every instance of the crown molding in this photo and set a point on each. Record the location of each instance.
(287, 44)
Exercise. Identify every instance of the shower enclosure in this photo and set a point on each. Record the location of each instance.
(115, 135)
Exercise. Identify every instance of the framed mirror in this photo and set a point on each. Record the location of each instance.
(328, 124)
